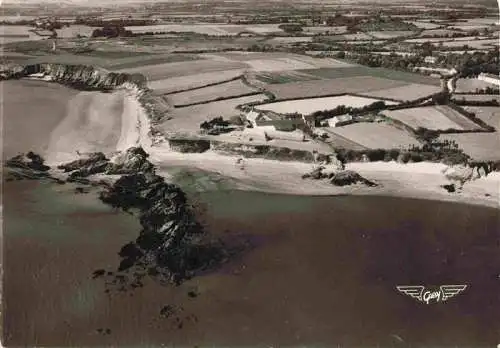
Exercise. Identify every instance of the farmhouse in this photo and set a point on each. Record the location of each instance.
(441, 71)
(430, 60)
(490, 78)
(338, 121)
(270, 118)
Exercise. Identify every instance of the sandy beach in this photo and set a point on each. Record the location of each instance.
(417, 180)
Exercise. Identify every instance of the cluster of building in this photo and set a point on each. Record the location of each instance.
(490, 78)
(290, 122)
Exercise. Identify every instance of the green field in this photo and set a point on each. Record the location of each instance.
(333, 73)
(112, 60)
(284, 77)
(150, 59)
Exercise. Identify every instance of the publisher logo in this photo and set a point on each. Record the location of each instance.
(428, 295)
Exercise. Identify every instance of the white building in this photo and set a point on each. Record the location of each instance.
(338, 121)
(490, 78)
(430, 60)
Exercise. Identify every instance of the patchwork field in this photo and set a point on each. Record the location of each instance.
(316, 88)
(294, 62)
(424, 25)
(261, 28)
(479, 44)
(163, 71)
(17, 33)
(431, 40)
(14, 19)
(432, 117)
(308, 106)
(140, 60)
(346, 37)
(471, 41)
(365, 42)
(229, 89)
(187, 120)
(112, 60)
(354, 71)
(484, 21)
(284, 77)
(375, 135)
(488, 114)
(268, 62)
(476, 97)
(326, 30)
(480, 146)
(180, 83)
(289, 39)
(278, 64)
(389, 34)
(470, 38)
(340, 142)
(468, 27)
(208, 29)
(438, 32)
(470, 85)
(404, 93)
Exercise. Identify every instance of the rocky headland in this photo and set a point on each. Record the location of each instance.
(172, 245)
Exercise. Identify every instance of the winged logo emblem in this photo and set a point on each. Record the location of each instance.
(451, 290)
(412, 291)
(421, 294)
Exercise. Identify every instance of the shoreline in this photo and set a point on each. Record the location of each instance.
(413, 180)
(269, 172)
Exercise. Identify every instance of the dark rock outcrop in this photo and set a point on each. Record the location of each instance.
(26, 166)
(134, 160)
(29, 161)
(171, 246)
(450, 188)
(94, 163)
(316, 174)
(349, 177)
(189, 146)
(338, 177)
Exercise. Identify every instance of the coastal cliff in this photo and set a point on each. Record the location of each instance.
(84, 77)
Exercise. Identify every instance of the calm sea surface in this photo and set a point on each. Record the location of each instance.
(323, 272)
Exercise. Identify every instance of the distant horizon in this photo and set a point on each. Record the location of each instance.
(97, 2)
